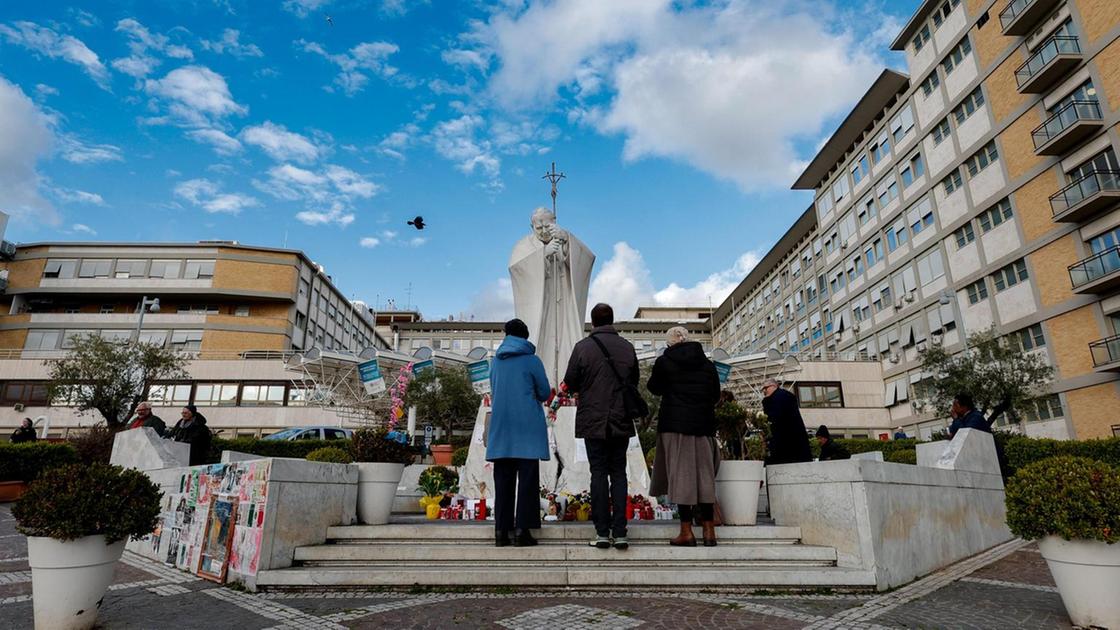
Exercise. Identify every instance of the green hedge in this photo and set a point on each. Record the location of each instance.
(1022, 451)
(1070, 497)
(24, 462)
(459, 456)
(271, 448)
(856, 445)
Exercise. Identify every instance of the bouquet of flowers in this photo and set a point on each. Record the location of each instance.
(396, 395)
(579, 506)
(559, 398)
(639, 508)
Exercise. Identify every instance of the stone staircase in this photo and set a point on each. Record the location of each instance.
(411, 552)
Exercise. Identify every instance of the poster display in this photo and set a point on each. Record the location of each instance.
(480, 376)
(370, 375)
(723, 370)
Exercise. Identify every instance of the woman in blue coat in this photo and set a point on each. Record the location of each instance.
(518, 438)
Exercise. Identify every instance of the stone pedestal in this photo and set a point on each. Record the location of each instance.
(144, 449)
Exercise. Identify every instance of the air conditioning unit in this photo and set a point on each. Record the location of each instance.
(898, 304)
(910, 296)
(7, 250)
(844, 245)
(855, 328)
(895, 358)
(18, 407)
(921, 346)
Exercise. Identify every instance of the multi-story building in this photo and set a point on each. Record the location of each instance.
(981, 193)
(240, 311)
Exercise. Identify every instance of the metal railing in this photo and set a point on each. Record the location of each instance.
(1008, 15)
(1095, 267)
(1105, 351)
(1080, 190)
(1047, 52)
(1070, 113)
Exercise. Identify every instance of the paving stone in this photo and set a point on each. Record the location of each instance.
(1026, 566)
(968, 605)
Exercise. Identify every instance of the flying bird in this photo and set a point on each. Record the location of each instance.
(417, 223)
(330, 21)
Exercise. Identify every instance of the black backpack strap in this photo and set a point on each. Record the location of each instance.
(610, 362)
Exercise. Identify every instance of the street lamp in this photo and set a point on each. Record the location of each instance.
(146, 305)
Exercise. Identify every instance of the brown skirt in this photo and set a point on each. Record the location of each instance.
(684, 468)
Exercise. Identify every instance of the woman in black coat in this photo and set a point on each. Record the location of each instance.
(191, 429)
(687, 456)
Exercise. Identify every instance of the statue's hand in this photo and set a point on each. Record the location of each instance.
(554, 249)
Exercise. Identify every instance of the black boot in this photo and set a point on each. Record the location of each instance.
(522, 538)
(501, 539)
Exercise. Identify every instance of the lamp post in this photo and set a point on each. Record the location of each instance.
(146, 305)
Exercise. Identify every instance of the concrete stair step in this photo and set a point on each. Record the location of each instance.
(563, 552)
(394, 575)
(456, 533)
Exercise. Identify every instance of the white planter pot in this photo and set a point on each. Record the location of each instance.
(68, 579)
(377, 486)
(737, 485)
(1087, 573)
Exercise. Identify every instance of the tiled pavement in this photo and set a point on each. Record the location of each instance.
(1007, 587)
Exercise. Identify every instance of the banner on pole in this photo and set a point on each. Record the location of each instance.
(724, 371)
(480, 376)
(370, 375)
(423, 366)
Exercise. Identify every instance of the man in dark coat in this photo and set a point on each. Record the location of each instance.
(789, 442)
(25, 432)
(601, 420)
(192, 430)
(145, 418)
(830, 450)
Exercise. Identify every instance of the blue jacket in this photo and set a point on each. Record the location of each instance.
(518, 386)
(971, 420)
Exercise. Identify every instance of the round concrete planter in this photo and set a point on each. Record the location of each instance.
(1087, 573)
(377, 486)
(737, 485)
(69, 578)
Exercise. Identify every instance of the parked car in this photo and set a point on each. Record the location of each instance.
(312, 433)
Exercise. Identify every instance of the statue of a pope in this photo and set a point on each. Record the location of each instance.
(550, 270)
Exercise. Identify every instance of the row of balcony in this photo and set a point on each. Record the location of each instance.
(1021, 16)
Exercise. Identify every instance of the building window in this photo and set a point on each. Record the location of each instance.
(170, 395)
(71, 337)
(956, 56)
(820, 395)
(902, 123)
(968, 106)
(130, 269)
(952, 181)
(860, 169)
(866, 210)
(995, 215)
(943, 11)
(107, 309)
(42, 339)
(942, 131)
(982, 158)
(915, 169)
(881, 150)
(897, 235)
(186, 340)
(920, 216)
(241, 311)
(964, 235)
(840, 188)
(215, 394)
(1044, 408)
(921, 38)
(153, 337)
(1010, 275)
(27, 393)
(931, 83)
(60, 269)
(95, 268)
(887, 191)
(931, 267)
(977, 291)
(824, 203)
(874, 253)
(198, 309)
(167, 269)
(1030, 338)
(197, 269)
(261, 395)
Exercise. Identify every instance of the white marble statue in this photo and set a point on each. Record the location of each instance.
(550, 270)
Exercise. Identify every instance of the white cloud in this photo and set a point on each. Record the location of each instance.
(220, 141)
(457, 140)
(27, 137)
(357, 64)
(369, 242)
(281, 144)
(85, 18)
(66, 195)
(42, 90)
(729, 87)
(304, 7)
(395, 144)
(75, 151)
(397, 8)
(46, 42)
(417, 241)
(389, 234)
(464, 58)
(230, 43)
(144, 45)
(624, 282)
(328, 193)
(209, 196)
(335, 215)
(348, 182)
(195, 95)
(82, 228)
(494, 303)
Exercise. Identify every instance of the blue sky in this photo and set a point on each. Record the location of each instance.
(680, 126)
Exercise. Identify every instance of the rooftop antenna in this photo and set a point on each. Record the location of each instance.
(554, 178)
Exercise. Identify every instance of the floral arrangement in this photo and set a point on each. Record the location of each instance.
(396, 395)
(559, 398)
(639, 508)
(579, 506)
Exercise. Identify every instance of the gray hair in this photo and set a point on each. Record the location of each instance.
(771, 381)
(144, 403)
(542, 213)
(676, 335)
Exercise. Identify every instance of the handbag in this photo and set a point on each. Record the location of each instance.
(634, 406)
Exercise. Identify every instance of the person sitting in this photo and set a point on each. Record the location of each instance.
(25, 432)
(191, 429)
(830, 450)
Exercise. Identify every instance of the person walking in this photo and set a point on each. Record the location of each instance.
(518, 436)
(25, 432)
(686, 458)
(789, 442)
(830, 450)
(145, 418)
(191, 429)
(602, 368)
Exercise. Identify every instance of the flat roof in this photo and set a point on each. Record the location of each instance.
(858, 120)
(920, 16)
(800, 228)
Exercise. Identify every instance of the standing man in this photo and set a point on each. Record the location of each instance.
(600, 369)
(789, 442)
(145, 418)
(25, 432)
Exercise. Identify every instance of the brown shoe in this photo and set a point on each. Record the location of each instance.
(709, 534)
(686, 538)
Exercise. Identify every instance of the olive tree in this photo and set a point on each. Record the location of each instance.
(444, 397)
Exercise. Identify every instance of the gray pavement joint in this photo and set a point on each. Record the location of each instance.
(1029, 587)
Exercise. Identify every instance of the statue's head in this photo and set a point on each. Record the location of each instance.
(543, 222)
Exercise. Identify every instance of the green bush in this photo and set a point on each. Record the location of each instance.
(651, 455)
(863, 445)
(1022, 451)
(1070, 497)
(73, 501)
(459, 456)
(298, 449)
(94, 446)
(24, 462)
(648, 439)
(903, 457)
(371, 445)
(329, 455)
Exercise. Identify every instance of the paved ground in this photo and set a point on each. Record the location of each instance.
(1008, 587)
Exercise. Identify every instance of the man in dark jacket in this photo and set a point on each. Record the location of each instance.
(601, 420)
(192, 430)
(789, 442)
(965, 415)
(25, 432)
(830, 450)
(145, 418)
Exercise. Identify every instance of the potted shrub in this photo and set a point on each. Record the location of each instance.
(21, 463)
(1071, 506)
(329, 455)
(380, 463)
(437, 483)
(77, 519)
(741, 472)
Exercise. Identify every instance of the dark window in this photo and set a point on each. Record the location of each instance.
(819, 395)
(335, 434)
(29, 393)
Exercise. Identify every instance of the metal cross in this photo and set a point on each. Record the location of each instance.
(554, 178)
